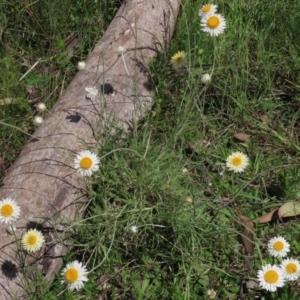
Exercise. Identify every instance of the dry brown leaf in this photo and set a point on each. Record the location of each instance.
(8, 101)
(247, 234)
(71, 41)
(226, 199)
(272, 215)
(264, 118)
(289, 209)
(243, 137)
(251, 284)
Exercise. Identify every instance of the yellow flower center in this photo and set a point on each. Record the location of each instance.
(271, 276)
(71, 275)
(278, 246)
(237, 161)
(32, 240)
(291, 268)
(7, 210)
(206, 8)
(86, 163)
(179, 59)
(213, 22)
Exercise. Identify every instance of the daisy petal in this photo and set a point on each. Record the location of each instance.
(178, 59)
(9, 210)
(207, 9)
(86, 162)
(33, 240)
(270, 277)
(291, 269)
(237, 162)
(74, 275)
(278, 247)
(214, 24)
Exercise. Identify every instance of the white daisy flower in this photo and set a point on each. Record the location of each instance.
(188, 200)
(121, 50)
(134, 229)
(86, 162)
(270, 277)
(207, 9)
(214, 24)
(290, 268)
(211, 293)
(41, 107)
(33, 240)
(178, 59)
(92, 92)
(74, 275)
(278, 247)
(9, 210)
(206, 78)
(38, 120)
(81, 65)
(237, 162)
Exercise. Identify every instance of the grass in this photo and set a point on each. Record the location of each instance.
(42, 32)
(177, 152)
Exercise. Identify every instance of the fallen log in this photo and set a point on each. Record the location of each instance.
(42, 180)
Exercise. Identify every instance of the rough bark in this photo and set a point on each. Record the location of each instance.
(42, 180)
